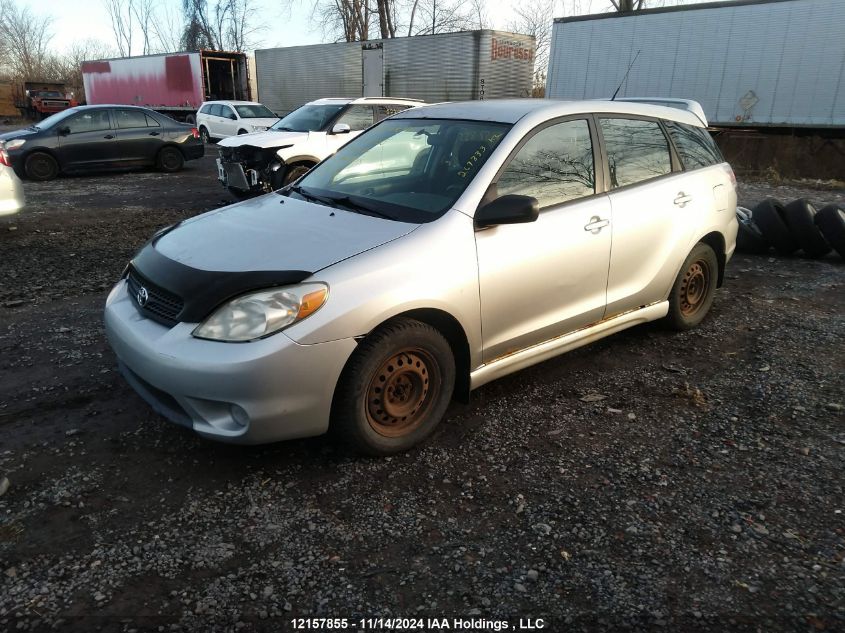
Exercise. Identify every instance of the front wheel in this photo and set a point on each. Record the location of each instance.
(294, 173)
(395, 389)
(694, 289)
(41, 166)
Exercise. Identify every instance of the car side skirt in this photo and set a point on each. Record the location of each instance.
(505, 365)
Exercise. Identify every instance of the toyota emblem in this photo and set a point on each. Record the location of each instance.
(143, 296)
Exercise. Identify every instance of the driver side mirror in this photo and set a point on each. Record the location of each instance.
(509, 209)
(64, 131)
(341, 128)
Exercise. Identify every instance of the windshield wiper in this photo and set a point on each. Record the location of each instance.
(343, 201)
(310, 196)
(357, 207)
(283, 129)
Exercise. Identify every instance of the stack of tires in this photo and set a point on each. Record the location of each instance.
(792, 227)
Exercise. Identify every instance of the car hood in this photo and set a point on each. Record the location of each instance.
(268, 139)
(275, 233)
(8, 136)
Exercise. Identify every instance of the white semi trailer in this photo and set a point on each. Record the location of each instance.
(751, 63)
(461, 66)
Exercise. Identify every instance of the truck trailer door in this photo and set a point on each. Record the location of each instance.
(372, 68)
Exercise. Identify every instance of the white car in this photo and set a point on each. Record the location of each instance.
(222, 119)
(364, 296)
(263, 162)
(11, 189)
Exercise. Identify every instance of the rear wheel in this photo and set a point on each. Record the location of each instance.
(206, 139)
(170, 159)
(41, 166)
(395, 389)
(694, 289)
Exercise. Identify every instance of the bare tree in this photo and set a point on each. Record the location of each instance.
(442, 16)
(168, 28)
(628, 5)
(122, 16)
(145, 15)
(533, 18)
(222, 25)
(26, 37)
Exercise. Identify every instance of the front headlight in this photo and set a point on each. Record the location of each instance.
(259, 314)
(14, 143)
(258, 128)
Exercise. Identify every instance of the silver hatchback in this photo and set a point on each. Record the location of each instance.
(447, 246)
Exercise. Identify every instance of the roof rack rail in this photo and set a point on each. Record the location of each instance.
(689, 105)
(397, 98)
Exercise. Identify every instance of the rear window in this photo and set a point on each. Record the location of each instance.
(637, 150)
(694, 144)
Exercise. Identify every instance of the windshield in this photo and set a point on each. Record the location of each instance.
(50, 121)
(256, 111)
(308, 118)
(411, 170)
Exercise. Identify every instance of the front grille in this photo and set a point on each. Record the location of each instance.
(161, 305)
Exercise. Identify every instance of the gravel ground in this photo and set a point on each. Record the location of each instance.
(691, 482)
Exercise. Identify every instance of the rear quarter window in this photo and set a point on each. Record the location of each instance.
(694, 144)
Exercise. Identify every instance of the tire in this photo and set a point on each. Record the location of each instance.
(41, 166)
(800, 218)
(204, 135)
(241, 132)
(694, 289)
(295, 172)
(170, 159)
(191, 119)
(831, 222)
(768, 215)
(395, 388)
(749, 239)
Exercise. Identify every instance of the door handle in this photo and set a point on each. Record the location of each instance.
(109, 136)
(596, 224)
(683, 199)
(153, 133)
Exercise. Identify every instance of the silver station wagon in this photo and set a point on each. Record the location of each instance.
(445, 247)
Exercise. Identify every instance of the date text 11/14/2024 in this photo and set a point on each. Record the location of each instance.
(466, 625)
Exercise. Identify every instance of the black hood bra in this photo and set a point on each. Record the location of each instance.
(198, 291)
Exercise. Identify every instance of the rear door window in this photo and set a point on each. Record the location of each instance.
(130, 118)
(554, 166)
(694, 144)
(384, 111)
(357, 117)
(637, 150)
(215, 109)
(151, 122)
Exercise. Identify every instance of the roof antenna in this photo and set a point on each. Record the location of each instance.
(631, 65)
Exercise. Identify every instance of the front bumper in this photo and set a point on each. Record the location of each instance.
(246, 393)
(193, 151)
(234, 175)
